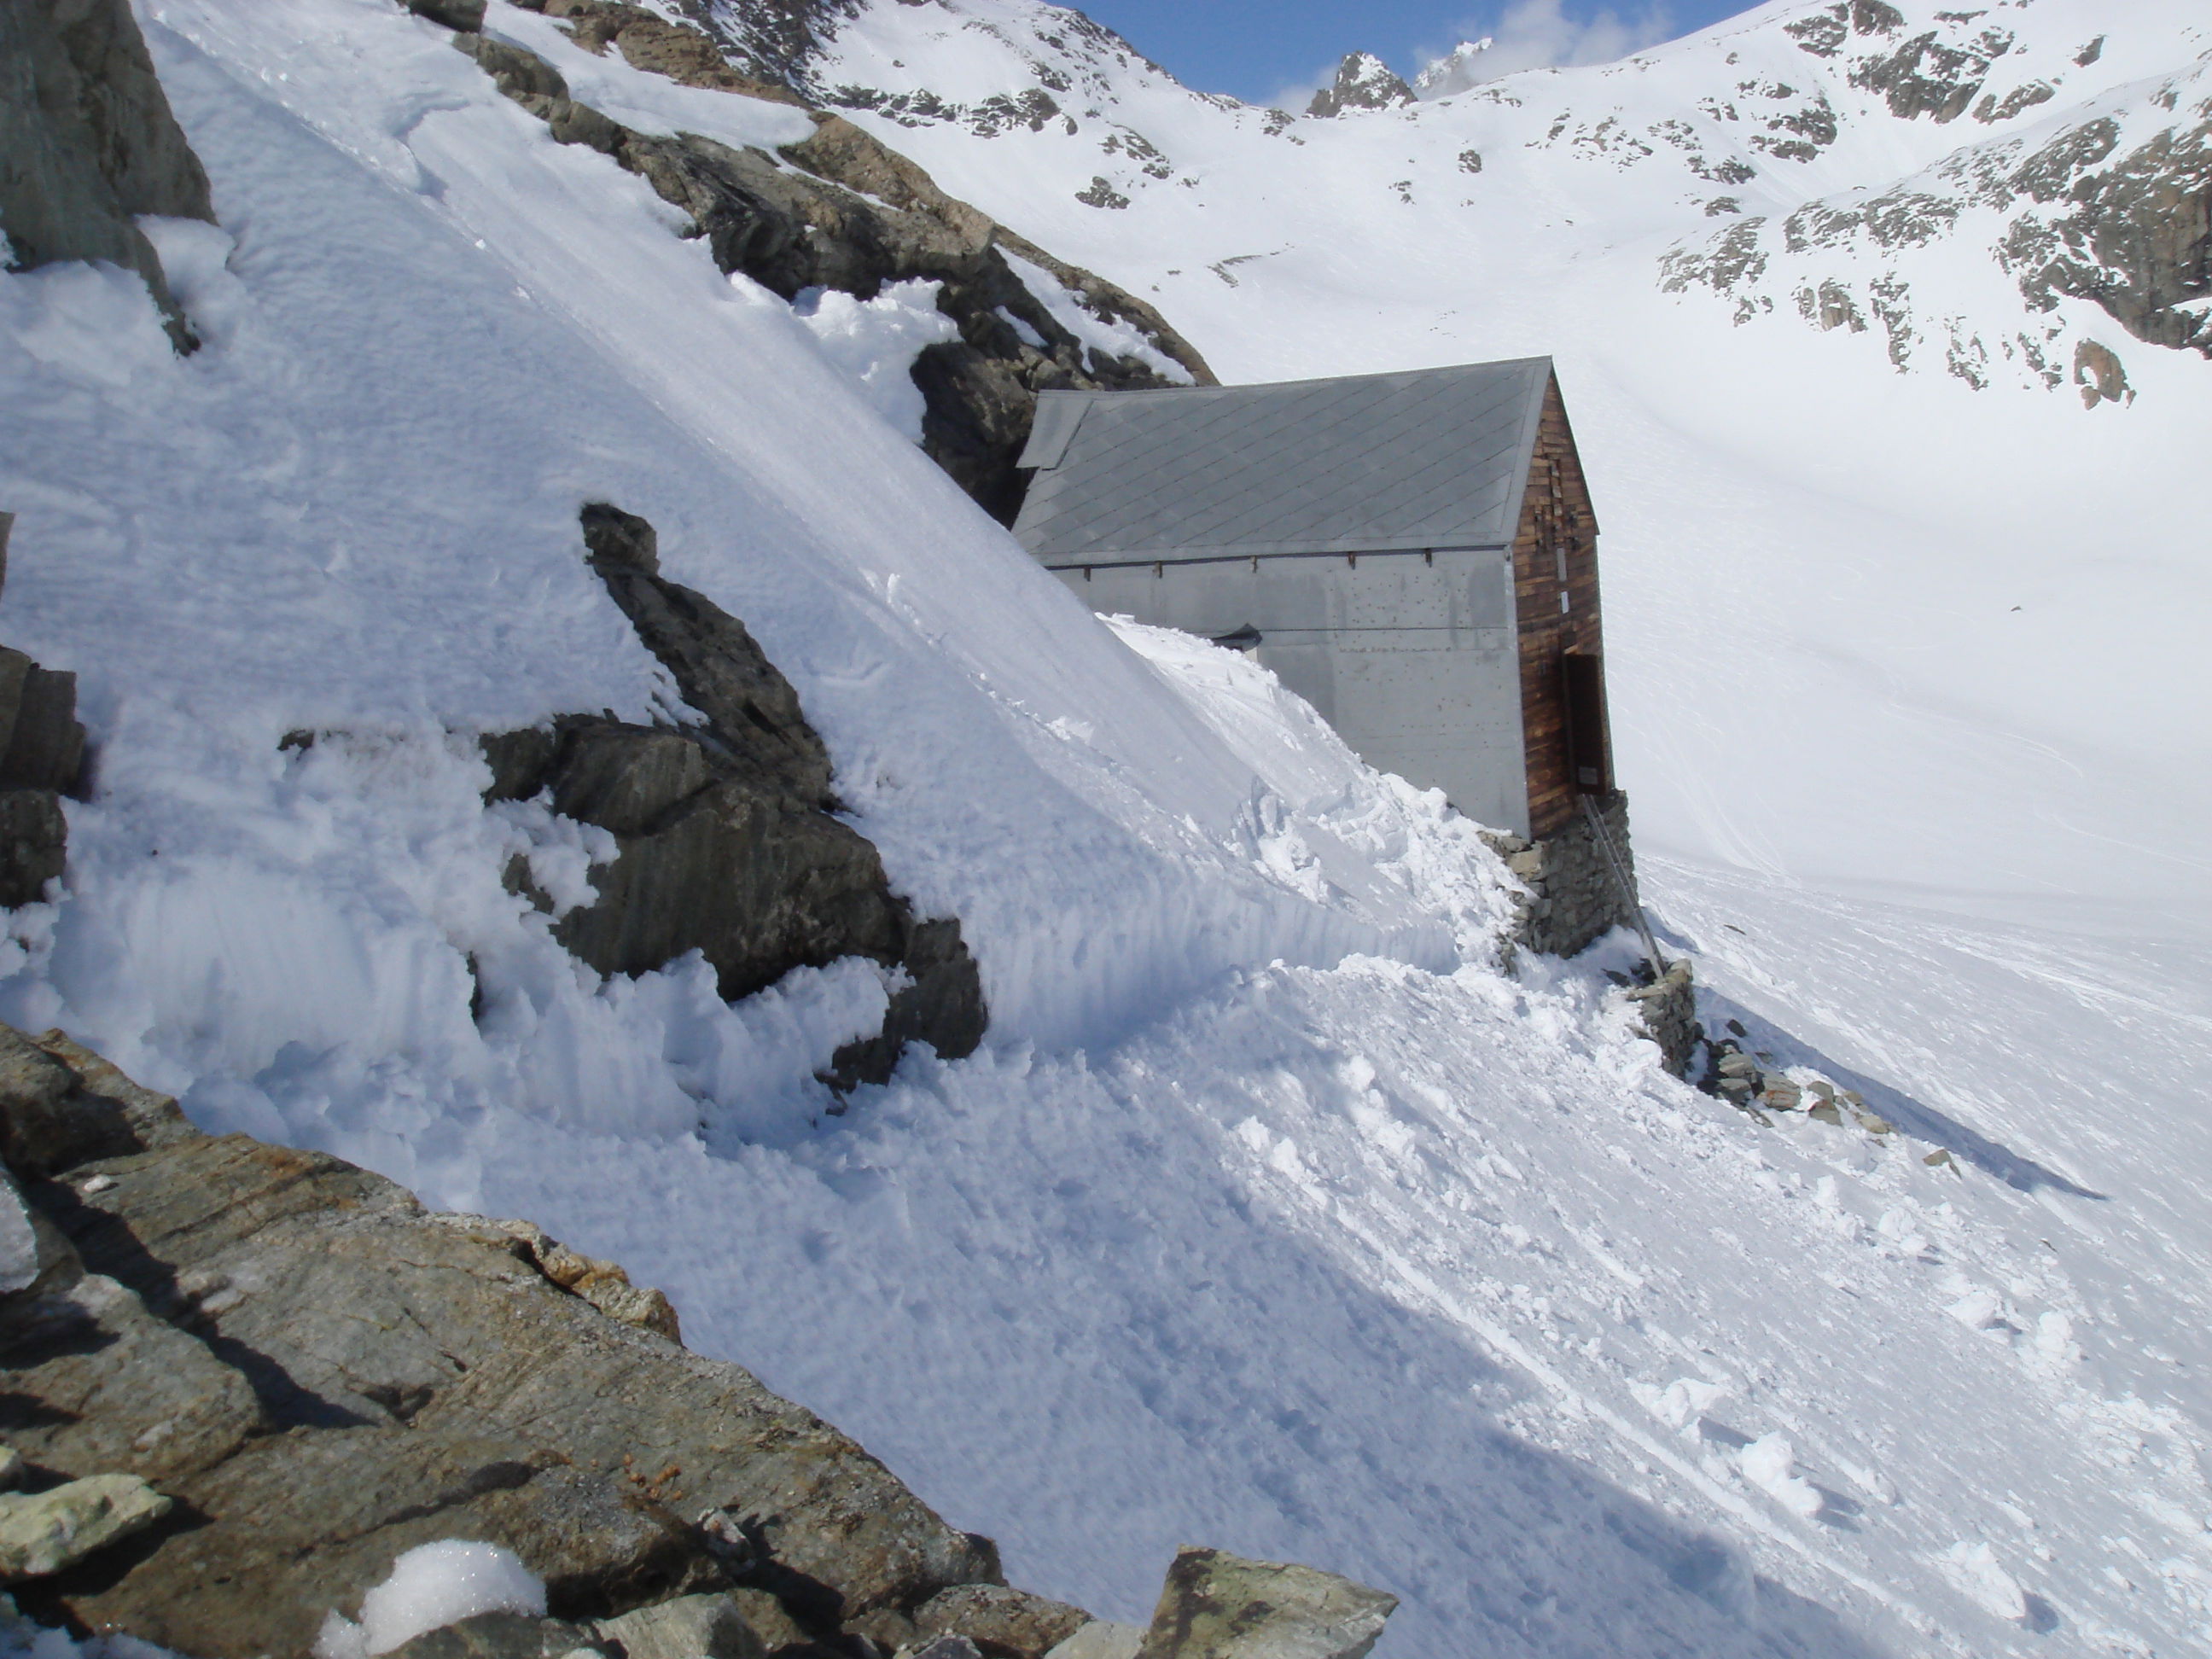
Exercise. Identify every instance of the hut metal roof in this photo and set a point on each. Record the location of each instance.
(1432, 457)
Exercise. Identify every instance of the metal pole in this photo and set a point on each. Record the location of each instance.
(1659, 963)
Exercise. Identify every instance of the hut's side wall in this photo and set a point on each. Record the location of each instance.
(1411, 658)
(1554, 552)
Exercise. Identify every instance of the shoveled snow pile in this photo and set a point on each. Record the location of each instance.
(1274, 1214)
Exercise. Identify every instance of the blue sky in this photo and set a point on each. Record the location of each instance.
(1257, 49)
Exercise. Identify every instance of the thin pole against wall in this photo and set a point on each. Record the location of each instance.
(1622, 883)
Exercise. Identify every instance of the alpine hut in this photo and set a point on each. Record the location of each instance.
(1414, 553)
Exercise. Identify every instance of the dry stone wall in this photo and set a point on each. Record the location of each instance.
(1572, 896)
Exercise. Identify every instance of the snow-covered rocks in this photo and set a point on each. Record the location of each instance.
(1972, 1567)
(726, 839)
(1456, 71)
(909, 292)
(1769, 1463)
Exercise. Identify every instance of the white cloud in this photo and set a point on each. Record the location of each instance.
(1540, 34)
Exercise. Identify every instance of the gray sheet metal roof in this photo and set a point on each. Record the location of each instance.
(1427, 458)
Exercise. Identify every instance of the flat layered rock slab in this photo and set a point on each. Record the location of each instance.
(324, 1376)
(1219, 1606)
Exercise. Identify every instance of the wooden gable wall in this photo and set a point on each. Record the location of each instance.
(1557, 531)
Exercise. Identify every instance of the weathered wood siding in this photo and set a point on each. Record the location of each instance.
(1558, 533)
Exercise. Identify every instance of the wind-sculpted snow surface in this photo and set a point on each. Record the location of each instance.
(1271, 1212)
(435, 333)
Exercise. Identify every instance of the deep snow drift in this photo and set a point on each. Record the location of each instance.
(1272, 1214)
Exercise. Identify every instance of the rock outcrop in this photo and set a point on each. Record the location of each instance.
(840, 211)
(729, 841)
(1362, 81)
(1219, 1606)
(320, 1375)
(245, 1380)
(42, 1533)
(88, 142)
(41, 760)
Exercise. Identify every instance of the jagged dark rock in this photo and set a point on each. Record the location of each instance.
(2129, 230)
(510, 1636)
(453, 13)
(690, 1627)
(1362, 81)
(841, 211)
(344, 1377)
(33, 844)
(41, 760)
(41, 744)
(728, 840)
(747, 705)
(88, 142)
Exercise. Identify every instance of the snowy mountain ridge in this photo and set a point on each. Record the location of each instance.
(1791, 122)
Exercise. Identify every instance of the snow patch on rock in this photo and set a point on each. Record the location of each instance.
(430, 1586)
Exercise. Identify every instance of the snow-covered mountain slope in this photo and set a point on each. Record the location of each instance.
(1271, 1213)
(1886, 604)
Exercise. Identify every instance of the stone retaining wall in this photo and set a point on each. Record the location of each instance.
(1573, 897)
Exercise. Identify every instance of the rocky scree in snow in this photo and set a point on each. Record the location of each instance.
(840, 210)
(245, 1380)
(88, 142)
(2115, 209)
(727, 839)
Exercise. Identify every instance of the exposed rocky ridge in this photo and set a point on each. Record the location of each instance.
(840, 211)
(778, 40)
(256, 1376)
(88, 142)
(1362, 81)
(727, 837)
(2115, 209)
(1216, 1606)
(2123, 227)
(2085, 214)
